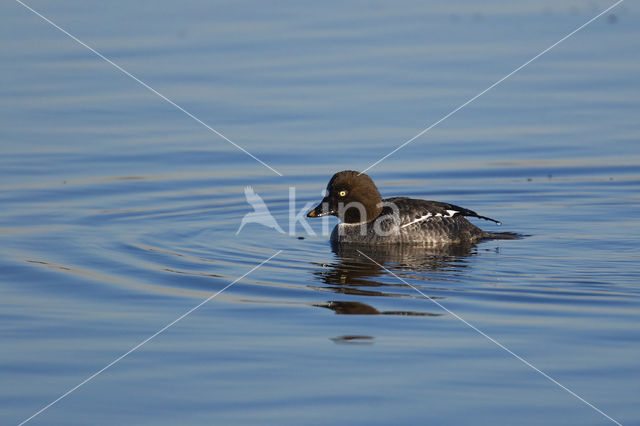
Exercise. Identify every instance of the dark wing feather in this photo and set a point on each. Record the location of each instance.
(466, 212)
(417, 208)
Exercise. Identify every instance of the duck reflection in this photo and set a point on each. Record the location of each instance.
(354, 274)
(358, 308)
(353, 340)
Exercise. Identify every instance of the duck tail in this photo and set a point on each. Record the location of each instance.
(488, 218)
(471, 213)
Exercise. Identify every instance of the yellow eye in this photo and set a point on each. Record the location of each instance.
(342, 193)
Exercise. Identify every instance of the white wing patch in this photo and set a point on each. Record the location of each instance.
(420, 219)
(450, 213)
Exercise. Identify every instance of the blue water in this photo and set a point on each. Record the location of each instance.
(119, 213)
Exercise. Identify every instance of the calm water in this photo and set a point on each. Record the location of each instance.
(119, 213)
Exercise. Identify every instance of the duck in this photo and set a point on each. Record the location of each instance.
(368, 219)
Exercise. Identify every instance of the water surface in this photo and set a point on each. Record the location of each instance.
(119, 213)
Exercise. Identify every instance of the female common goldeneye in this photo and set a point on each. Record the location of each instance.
(369, 219)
